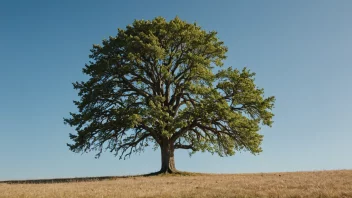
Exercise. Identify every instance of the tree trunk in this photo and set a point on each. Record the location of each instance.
(167, 158)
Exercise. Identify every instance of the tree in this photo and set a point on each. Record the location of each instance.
(155, 83)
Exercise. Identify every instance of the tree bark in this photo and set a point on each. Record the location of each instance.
(167, 157)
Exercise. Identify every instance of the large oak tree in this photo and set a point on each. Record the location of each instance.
(161, 83)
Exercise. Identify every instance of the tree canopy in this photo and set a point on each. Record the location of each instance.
(163, 83)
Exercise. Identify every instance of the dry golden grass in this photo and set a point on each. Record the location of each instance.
(298, 184)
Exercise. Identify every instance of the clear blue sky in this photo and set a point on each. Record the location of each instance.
(301, 51)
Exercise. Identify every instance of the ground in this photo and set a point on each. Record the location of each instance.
(295, 184)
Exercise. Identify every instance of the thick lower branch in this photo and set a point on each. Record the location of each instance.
(181, 146)
(182, 131)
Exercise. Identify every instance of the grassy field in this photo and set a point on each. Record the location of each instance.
(296, 184)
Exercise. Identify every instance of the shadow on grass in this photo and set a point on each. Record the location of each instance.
(92, 179)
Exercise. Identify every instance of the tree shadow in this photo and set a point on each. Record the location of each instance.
(93, 179)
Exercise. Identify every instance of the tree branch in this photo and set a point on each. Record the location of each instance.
(181, 146)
